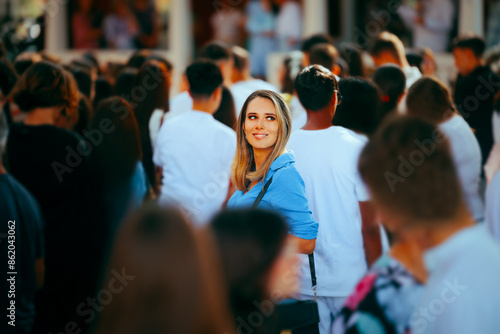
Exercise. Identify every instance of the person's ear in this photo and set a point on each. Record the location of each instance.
(336, 70)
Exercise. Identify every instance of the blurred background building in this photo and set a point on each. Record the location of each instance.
(178, 28)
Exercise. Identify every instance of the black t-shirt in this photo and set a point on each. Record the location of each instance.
(19, 212)
(53, 164)
(474, 95)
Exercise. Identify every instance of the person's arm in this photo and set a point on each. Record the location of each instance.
(370, 232)
(304, 246)
(230, 191)
(290, 200)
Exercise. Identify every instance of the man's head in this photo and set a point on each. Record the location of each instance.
(409, 171)
(387, 48)
(325, 55)
(205, 83)
(468, 52)
(221, 55)
(317, 89)
(241, 64)
(311, 41)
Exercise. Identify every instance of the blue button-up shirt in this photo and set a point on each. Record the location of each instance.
(286, 195)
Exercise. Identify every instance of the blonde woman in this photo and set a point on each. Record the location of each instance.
(264, 173)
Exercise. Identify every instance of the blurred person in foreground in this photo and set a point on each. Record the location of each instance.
(259, 264)
(426, 207)
(165, 279)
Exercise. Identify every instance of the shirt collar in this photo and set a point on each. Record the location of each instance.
(283, 160)
(461, 241)
(202, 113)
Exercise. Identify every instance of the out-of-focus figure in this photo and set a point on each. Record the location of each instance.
(145, 14)
(493, 32)
(227, 24)
(85, 26)
(120, 27)
(431, 22)
(260, 25)
(288, 25)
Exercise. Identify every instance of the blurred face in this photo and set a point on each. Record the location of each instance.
(261, 124)
(463, 60)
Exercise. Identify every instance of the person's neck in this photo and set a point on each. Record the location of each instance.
(241, 77)
(318, 120)
(432, 237)
(204, 106)
(260, 156)
(475, 63)
(41, 116)
(410, 255)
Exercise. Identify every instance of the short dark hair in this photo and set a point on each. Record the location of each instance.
(311, 41)
(315, 86)
(240, 58)
(428, 98)
(379, 45)
(204, 77)
(391, 81)
(472, 42)
(359, 108)
(323, 54)
(215, 51)
(408, 167)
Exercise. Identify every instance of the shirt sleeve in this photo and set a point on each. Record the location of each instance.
(289, 198)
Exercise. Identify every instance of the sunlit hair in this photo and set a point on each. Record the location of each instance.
(243, 166)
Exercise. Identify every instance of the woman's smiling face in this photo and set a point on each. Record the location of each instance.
(261, 124)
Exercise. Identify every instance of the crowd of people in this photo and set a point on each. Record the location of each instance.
(370, 195)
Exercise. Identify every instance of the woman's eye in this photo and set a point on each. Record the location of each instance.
(270, 118)
(252, 117)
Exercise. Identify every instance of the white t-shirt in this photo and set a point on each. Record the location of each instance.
(327, 161)
(154, 125)
(179, 104)
(195, 152)
(461, 295)
(496, 125)
(466, 154)
(242, 90)
(299, 114)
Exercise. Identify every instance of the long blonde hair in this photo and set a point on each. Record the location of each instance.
(244, 163)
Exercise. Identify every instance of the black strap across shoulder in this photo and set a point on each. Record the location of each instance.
(312, 267)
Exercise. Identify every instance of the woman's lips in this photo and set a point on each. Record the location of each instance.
(260, 135)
